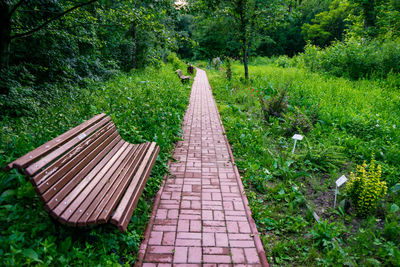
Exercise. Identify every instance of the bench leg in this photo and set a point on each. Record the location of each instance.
(57, 226)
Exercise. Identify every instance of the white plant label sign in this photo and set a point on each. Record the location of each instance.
(339, 182)
(296, 137)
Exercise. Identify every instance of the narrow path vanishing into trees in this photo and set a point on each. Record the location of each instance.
(201, 215)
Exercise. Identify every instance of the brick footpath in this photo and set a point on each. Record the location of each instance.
(200, 216)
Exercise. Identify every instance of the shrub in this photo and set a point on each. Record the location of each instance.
(285, 62)
(174, 60)
(276, 105)
(355, 58)
(297, 122)
(228, 65)
(365, 188)
(216, 62)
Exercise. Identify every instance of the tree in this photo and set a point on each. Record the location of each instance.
(328, 26)
(72, 39)
(6, 26)
(243, 18)
(8, 32)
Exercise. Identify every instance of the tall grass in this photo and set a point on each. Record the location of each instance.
(351, 121)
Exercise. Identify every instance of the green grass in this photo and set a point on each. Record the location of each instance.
(145, 105)
(353, 120)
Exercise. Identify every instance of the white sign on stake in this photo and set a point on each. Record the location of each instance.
(339, 182)
(296, 137)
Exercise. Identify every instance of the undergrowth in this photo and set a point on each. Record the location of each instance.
(346, 121)
(145, 105)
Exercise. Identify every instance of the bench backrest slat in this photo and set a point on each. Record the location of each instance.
(35, 167)
(64, 172)
(42, 150)
(84, 168)
(61, 165)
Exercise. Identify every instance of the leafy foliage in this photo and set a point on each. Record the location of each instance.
(327, 26)
(274, 105)
(349, 119)
(355, 58)
(366, 188)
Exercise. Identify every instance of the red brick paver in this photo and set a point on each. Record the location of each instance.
(201, 216)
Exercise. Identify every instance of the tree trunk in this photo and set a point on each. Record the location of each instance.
(369, 13)
(246, 68)
(241, 9)
(5, 34)
(134, 48)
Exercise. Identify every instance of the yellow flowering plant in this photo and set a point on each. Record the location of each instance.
(365, 187)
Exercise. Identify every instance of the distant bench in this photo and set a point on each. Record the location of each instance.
(182, 77)
(89, 174)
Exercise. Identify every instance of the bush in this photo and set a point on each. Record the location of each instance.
(355, 58)
(297, 122)
(276, 105)
(216, 62)
(228, 65)
(175, 61)
(365, 188)
(285, 62)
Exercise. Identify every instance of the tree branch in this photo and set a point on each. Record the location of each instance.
(15, 8)
(25, 34)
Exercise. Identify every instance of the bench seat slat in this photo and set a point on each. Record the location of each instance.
(57, 211)
(80, 170)
(95, 195)
(110, 201)
(82, 190)
(99, 203)
(35, 167)
(27, 159)
(124, 206)
(45, 179)
(124, 221)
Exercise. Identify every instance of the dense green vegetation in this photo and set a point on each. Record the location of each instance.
(344, 123)
(146, 105)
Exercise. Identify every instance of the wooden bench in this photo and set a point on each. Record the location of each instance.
(182, 77)
(190, 68)
(89, 174)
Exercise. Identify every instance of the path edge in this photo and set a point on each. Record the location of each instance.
(145, 241)
(257, 240)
